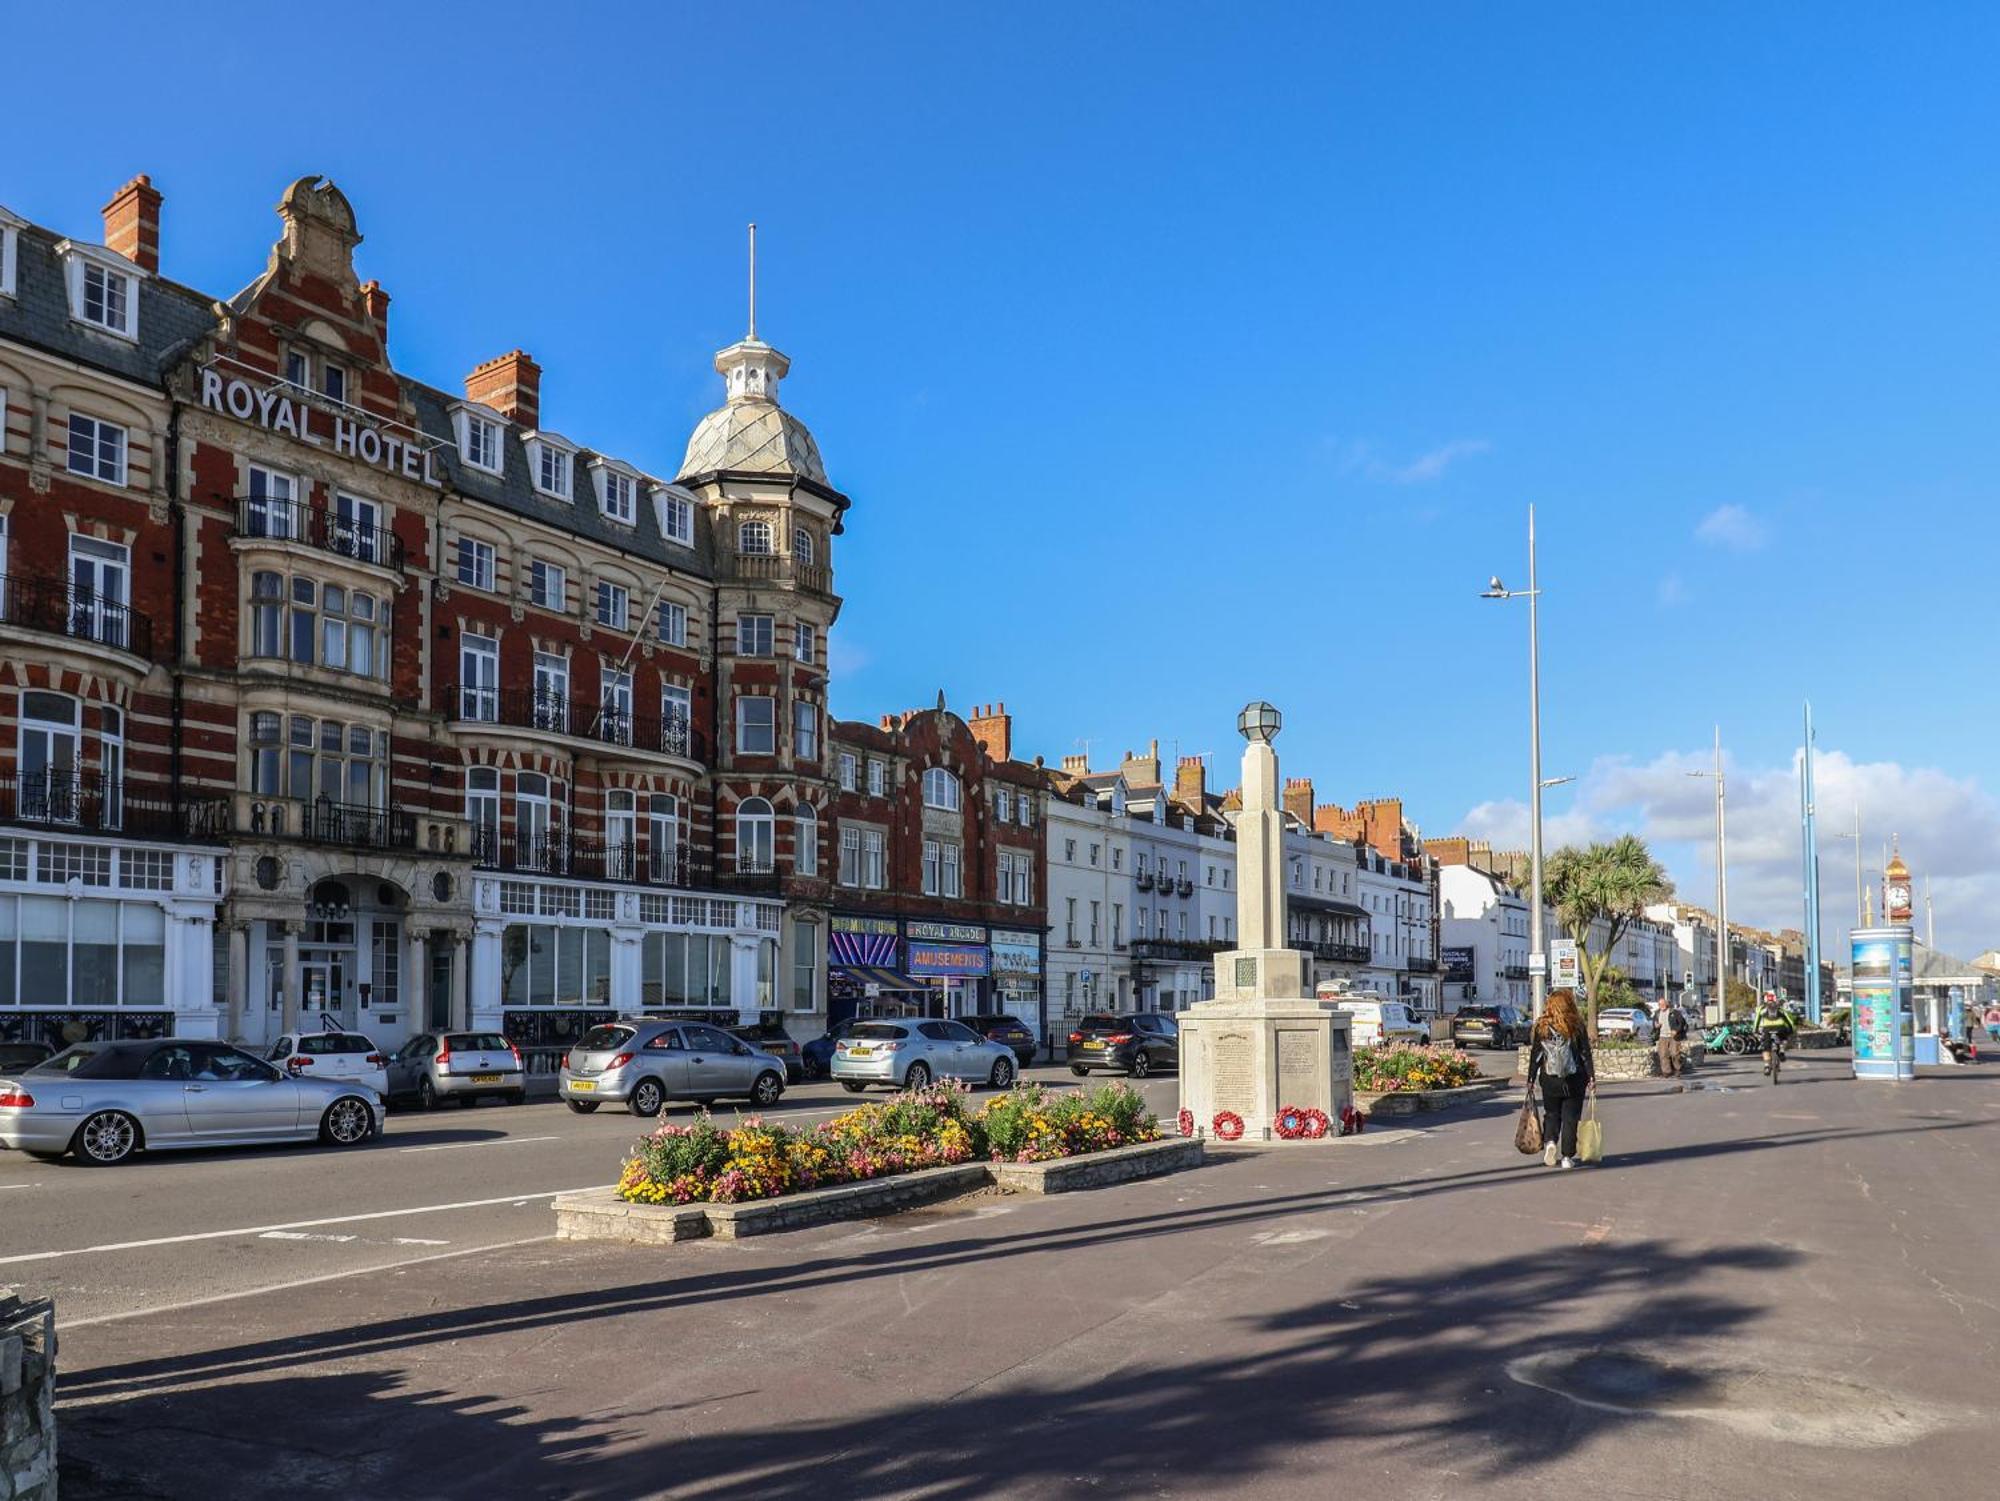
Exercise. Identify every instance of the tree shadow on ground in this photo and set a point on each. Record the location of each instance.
(1408, 1363)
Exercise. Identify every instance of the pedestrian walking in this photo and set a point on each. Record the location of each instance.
(1559, 1059)
(1671, 1045)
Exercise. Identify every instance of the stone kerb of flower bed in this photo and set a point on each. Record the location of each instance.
(704, 1163)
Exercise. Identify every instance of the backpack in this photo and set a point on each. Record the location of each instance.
(1557, 1056)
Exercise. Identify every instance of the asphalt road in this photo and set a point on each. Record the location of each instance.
(163, 1232)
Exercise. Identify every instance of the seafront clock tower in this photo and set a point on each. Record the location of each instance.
(1896, 903)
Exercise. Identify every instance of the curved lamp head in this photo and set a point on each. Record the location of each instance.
(1259, 722)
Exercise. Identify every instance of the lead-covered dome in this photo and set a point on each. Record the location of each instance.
(750, 431)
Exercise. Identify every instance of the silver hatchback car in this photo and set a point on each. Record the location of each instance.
(909, 1054)
(106, 1101)
(643, 1062)
(458, 1066)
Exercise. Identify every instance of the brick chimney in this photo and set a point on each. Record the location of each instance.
(993, 727)
(377, 302)
(1298, 799)
(132, 223)
(1076, 766)
(1191, 783)
(1383, 819)
(1144, 770)
(511, 385)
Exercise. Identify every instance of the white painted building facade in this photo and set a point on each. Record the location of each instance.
(1483, 914)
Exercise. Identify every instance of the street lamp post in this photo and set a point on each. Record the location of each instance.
(1721, 885)
(1538, 978)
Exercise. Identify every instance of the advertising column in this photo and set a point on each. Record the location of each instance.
(1884, 1030)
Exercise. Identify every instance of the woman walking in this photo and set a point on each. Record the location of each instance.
(1559, 1057)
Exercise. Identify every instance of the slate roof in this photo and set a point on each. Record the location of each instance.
(171, 317)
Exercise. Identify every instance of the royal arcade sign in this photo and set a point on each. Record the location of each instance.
(347, 434)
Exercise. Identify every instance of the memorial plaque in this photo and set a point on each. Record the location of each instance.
(1235, 1085)
(1299, 1079)
(1246, 974)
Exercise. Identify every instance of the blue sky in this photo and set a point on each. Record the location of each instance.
(1175, 355)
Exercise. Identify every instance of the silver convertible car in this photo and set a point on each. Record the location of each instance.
(105, 1101)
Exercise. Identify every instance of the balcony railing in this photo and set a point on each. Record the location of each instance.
(560, 852)
(1185, 886)
(777, 568)
(1144, 880)
(86, 802)
(297, 521)
(561, 714)
(62, 608)
(1419, 964)
(1333, 953)
(1173, 948)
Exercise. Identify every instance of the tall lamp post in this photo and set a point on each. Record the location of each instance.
(1721, 885)
(1538, 960)
(1809, 814)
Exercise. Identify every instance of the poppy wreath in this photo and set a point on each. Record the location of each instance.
(1186, 1122)
(1228, 1125)
(1351, 1121)
(1300, 1123)
(1313, 1124)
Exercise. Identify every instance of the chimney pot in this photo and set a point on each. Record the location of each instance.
(511, 385)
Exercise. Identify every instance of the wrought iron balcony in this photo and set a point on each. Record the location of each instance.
(560, 714)
(1185, 886)
(1172, 949)
(328, 531)
(85, 802)
(62, 608)
(776, 568)
(1333, 953)
(1419, 964)
(562, 852)
(1144, 880)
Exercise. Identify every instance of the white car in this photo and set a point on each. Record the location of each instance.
(1379, 1022)
(1625, 1021)
(342, 1057)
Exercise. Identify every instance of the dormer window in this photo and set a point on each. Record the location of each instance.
(676, 515)
(552, 464)
(753, 538)
(103, 288)
(617, 493)
(478, 440)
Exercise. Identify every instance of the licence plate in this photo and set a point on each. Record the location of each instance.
(1098, 1046)
(485, 1078)
(583, 1086)
(860, 1050)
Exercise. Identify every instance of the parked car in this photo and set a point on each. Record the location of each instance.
(1009, 1032)
(1379, 1022)
(433, 1067)
(1625, 1021)
(910, 1054)
(816, 1057)
(105, 1101)
(15, 1056)
(643, 1062)
(1136, 1044)
(345, 1056)
(1489, 1027)
(771, 1037)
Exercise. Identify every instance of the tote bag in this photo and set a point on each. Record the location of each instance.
(1528, 1128)
(1590, 1134)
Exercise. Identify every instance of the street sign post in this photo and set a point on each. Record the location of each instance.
(1568, 968)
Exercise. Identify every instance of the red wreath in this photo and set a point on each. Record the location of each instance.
(1186, 1121)
(1351, 1121)
(1228, 1125)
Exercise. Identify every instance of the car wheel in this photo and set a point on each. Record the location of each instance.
(647, 1098)
(427, 1095)
(582, 1107)
(1142, 1064)
(106, 1138)
(918, 1077)
(1003, 1073)
(347, 1123)
(851, 1087)
(1079, 1070)
(810, 1070)
(767, 1089)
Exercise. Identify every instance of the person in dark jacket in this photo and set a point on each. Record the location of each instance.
(1559, 1058)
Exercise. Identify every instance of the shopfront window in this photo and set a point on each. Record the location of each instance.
(550, 964)
(55, 952)
(685, 969)
(805, 966)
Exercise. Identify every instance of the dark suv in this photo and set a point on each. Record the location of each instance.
(1488, 1027)
(1009, 1032)
(1136, 1044)
(770, 1036)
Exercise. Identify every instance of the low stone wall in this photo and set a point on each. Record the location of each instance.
(1097, 1169)
(27, 1398)
(1396, 1102)
(601, 1215)
(1616, 1065)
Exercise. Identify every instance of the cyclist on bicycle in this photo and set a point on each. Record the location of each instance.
(1774, 1027)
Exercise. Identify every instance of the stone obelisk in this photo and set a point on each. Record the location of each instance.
(1265, 1042)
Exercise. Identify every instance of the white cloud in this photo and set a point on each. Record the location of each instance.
(1949, 827)
(1733, 527)
(1358, 456)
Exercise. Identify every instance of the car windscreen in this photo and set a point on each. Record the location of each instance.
(478, 1042)
(321, 1043)
(97, 1060)
(878, 1031)
(1103, 1024)
(605, 1039)
(1480, 1013)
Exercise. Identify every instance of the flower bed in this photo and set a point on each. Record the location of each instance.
(701, 1162)
(1404, 1067)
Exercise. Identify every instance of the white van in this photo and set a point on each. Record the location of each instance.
(1379, 1021)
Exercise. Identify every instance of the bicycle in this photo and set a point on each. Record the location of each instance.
(1774, 1056)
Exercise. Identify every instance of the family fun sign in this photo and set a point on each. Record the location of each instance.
(349, 436)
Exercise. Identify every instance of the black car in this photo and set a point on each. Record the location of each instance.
(771, 1037)
(15, 1057)
(1489, 1027)
(1136, 1044)
(1009, 1032)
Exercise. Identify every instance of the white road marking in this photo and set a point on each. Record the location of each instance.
(454, 1146)
(412, 1240)
(5, 1186)
(305, 1235)
(276, 1287)
(338, 1219)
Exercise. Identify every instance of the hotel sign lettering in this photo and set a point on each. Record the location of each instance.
(348, 436)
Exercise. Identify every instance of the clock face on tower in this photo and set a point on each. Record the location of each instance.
(1899, 898)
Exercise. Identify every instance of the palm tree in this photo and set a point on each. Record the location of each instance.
(1612, 882)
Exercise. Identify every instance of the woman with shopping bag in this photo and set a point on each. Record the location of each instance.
(1560, 1061)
